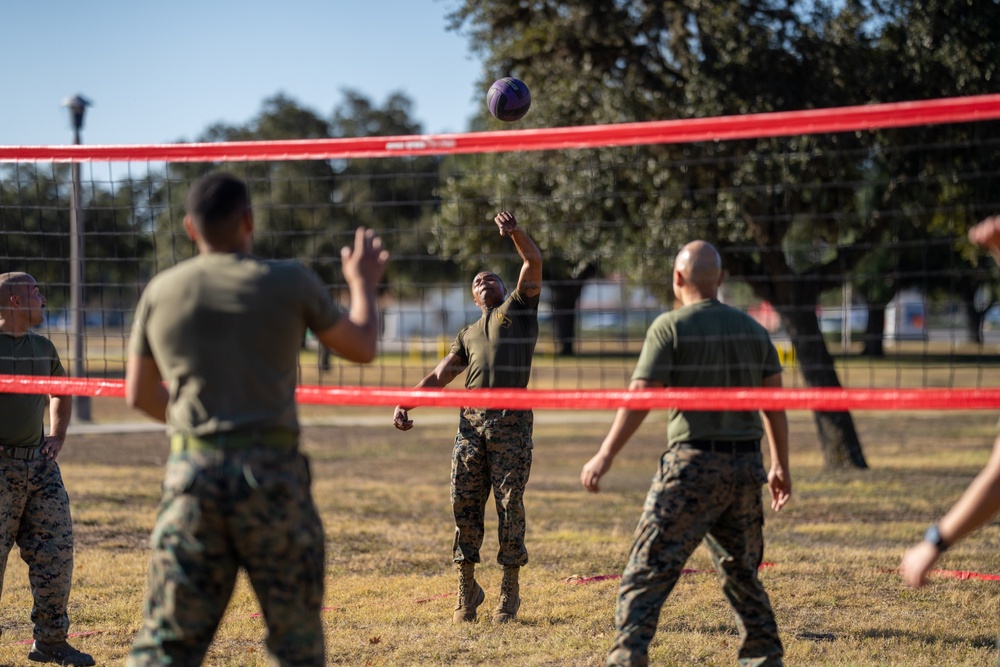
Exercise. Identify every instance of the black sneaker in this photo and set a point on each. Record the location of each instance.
(60, 653)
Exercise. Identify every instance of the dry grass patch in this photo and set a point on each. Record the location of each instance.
(384, 498)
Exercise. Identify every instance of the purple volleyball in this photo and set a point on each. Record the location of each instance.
(508, 99)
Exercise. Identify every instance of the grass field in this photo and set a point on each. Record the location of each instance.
(384, 499)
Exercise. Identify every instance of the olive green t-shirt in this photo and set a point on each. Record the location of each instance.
(225, 331)
(497, 348)
(708, 344)
(22, 415)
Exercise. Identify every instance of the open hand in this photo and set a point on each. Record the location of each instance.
(987, 235)
(367, 260)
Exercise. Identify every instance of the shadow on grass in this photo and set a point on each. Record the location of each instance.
(981, 641)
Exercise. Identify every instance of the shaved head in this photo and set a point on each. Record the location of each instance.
(10, 281)
(698, 269)
(21, 303)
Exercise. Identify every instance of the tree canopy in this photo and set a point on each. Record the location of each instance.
(309, 209)
(792, 216)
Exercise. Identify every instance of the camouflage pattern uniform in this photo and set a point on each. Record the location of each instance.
(493, 447)
(34, 514)
(34, 506)
(226, 331)
(222, 510)
(492, 450)
(696, 494)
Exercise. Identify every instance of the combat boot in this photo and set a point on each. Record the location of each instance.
(510, 596)
(60, 653)
(470, 594)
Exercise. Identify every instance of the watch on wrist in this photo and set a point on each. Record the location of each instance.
(933, 536)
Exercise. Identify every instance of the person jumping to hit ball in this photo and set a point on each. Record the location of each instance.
(493, 447)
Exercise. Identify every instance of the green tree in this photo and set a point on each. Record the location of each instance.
(293, 199)
(947, 48)
(34, 226)
(394, 196)
(35, 204)
(309, 209)
(606, 62)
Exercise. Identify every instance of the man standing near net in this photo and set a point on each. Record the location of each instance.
(223, 330)
(981, 500)
(708, 483)
(34, 506)
(493, 447)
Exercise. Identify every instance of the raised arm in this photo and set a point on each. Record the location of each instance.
(447, 370)
(355, 337)
(529, 282)
(987, 235)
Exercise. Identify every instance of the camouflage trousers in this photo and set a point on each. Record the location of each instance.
(34, 515)
(698, 495)
(492, 450)
(222, 511)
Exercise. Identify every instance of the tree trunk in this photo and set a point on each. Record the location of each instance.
(974, 321)
(565, 297)
(874, 337)
(838, 438)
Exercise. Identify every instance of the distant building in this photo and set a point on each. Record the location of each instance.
(906, 317)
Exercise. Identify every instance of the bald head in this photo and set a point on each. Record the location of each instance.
(14, 283)
(697, 272)
(21, 303)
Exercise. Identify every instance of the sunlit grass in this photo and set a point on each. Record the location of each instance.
(383, 496)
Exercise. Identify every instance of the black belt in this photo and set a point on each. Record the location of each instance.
(20, 453)
(723, 446)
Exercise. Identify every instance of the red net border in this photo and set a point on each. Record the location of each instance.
(720, 128)
(822, 399)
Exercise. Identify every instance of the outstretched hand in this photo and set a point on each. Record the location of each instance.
(917, 562)
(367, 261)
(506, 222)
(987, 235)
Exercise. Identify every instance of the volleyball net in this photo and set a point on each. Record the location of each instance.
(842, 231)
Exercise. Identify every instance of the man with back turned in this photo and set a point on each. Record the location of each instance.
(223, 331)
(708, 482)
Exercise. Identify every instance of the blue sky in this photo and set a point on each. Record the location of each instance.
(164, 71)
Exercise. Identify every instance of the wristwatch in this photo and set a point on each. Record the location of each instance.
(933, 536)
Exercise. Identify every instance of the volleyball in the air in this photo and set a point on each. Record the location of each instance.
(508, 99)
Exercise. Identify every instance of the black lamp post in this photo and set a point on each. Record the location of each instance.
(77, 105)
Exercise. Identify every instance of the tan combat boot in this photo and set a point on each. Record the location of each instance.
(510, 596)
(470, 594)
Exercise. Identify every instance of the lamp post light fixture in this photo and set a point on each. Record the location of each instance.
(77, 105)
